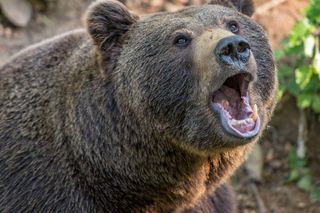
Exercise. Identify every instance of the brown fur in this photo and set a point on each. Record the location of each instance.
(115, 118)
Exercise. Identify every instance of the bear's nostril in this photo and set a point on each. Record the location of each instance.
(227, 50)
(243, 46)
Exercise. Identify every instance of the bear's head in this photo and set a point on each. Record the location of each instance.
(203, 76)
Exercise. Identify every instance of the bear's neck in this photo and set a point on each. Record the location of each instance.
(134, 167)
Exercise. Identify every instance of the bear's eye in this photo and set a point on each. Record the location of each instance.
(182, 41)
(233, 27)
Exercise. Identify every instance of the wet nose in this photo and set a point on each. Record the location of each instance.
(233, 50)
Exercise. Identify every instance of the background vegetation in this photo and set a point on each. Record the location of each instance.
(299, 75)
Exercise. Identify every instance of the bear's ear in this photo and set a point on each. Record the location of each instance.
(244, 6)
(107, 21)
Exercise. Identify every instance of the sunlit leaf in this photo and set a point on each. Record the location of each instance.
(316, 63)
(304, 100)
(305, 183)
(293, 176)
(280, 93)
(303, 76)
(309, 45)
(300, 31)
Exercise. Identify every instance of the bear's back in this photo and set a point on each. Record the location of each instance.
(32, 82)
(33, 99)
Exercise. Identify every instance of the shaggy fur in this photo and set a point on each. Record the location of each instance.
(115, 118)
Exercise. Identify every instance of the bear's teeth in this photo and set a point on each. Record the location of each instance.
(254, 114)
(227, 114)
(241, 122)
(225, 103)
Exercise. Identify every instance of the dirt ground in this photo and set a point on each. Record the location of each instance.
(276, 16)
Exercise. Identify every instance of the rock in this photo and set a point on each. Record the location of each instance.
(8, 33)
(301, 205)
(18, 12)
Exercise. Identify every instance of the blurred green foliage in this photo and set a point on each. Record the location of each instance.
(299, 70)
(299, 75)
(301, 174)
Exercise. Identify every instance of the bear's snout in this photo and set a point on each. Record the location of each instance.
(233, 51)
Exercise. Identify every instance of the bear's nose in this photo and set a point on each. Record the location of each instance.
(233, 50)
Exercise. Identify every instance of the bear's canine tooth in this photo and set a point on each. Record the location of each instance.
(254, 114)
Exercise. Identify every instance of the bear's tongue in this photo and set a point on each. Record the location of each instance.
(236, 111)
(237, 107)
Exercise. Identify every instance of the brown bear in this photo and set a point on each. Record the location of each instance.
(149, 114)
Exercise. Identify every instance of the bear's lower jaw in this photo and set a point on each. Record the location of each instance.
(231, 102)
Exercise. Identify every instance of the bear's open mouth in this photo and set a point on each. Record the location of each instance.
(231, 102)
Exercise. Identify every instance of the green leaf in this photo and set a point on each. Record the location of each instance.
(293, 88)
(292, 158)
(304, 100)
(293, 176)
(303, 76)
(305, 183)
(316, 63)
(281, 91)
(313, 12)
(315, 195)
(316, 103)
(294, 51)
(313, 85)
(294, 161)
(309, 45)
(300, 31)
